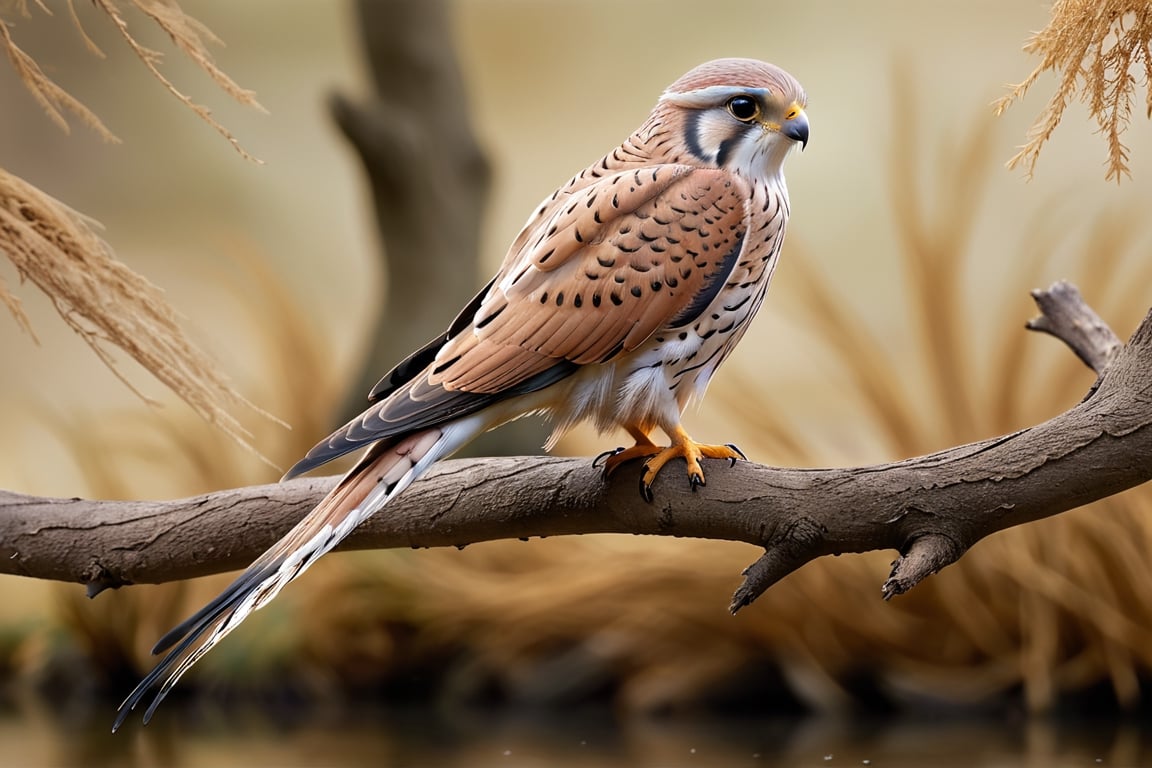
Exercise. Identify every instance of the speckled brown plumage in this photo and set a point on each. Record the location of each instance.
(620, 298)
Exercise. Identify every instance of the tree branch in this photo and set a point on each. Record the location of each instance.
(1066, 316)
(930, 508)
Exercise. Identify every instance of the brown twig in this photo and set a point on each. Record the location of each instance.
(1065, 315)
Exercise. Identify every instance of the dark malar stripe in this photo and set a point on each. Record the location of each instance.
(692, 136)
(725, 150)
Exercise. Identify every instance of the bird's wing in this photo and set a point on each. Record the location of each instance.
(606, 268)
(600, 270)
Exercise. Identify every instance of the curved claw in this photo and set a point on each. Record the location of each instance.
(603, 457)
(732, 459)
(613, 460)
(682, 447)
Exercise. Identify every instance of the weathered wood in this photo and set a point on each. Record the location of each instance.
(930, 508)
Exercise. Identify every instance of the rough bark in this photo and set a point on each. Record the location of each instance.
(930, 508)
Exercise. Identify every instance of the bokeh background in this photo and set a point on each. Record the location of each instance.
(894, 327)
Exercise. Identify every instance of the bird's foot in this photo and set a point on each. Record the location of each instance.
(613, 459)
(691, 452)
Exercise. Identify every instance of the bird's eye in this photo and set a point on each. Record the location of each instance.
(743, 108)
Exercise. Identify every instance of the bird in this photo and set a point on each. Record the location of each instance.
(617, 302)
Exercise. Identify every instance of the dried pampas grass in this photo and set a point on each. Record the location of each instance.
(54, 99)
(105, 302)
(59, 251)
(192, 38)
(1093, 46)
(188, 35)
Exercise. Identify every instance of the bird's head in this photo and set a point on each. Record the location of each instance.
(741, 114)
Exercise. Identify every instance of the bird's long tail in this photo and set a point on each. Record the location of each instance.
(386, 469)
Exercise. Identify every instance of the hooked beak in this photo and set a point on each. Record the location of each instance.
(796, 126)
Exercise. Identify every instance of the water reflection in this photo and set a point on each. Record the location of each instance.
(32, 734)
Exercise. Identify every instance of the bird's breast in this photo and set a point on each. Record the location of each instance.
(653, 383)
(677, 362)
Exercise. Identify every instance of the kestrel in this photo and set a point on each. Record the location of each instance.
(617, 302)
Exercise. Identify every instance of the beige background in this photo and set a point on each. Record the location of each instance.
(553, 86)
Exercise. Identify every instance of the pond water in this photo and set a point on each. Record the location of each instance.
(34, 735)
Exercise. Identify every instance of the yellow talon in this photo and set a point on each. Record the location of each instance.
(624, 455)
(682, 446)
(643, 449)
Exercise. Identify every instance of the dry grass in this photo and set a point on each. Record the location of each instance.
(1094, 47)
(192, 39)
(1041, 612)
(105, 302)
(188, 35)
(138, 454)
(59, 251)
(1044, 612)
(54, 99)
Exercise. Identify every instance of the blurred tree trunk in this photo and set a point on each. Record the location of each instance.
(430, 181)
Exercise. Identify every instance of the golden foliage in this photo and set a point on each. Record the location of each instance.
(54, 99)
(1044, 610)
(105, 302)
(56, 248)
(1093, 46)
(191, 37)
(188, 35)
